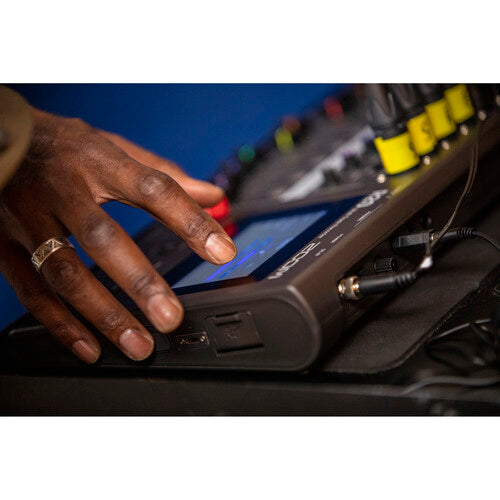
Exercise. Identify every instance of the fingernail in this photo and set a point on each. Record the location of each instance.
(84, 351)
(136, 343)
(164, 311)
(220, 248)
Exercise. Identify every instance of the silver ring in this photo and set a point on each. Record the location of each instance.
(39, 256)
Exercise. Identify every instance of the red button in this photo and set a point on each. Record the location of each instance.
(221, 210)
(333, 108)
(292, 124)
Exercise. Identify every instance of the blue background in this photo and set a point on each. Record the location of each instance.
(196, 125)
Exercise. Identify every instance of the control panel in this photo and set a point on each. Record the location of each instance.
(325, 197)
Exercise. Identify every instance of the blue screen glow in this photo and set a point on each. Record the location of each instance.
(256, 244)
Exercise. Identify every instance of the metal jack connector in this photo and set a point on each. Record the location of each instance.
(348, 288)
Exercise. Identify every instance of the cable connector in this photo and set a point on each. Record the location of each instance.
(354, 287)
(467, 233)
(413, 242)
(459, 233)
(419, 242)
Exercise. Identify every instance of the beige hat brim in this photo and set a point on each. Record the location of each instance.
(16, 122)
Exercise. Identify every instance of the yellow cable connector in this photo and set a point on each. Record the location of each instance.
(439, 116)
(397, 153)
(421, 134)
(459, 102)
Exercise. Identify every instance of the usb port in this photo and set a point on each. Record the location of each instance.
(191, 340)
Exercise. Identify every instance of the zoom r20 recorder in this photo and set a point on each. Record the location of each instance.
(312, 209)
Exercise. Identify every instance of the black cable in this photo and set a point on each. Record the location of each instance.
(487, 336)
(457, 328)
(468, 186)
(371, 285)
(419, 241)
(355, 287)
(467, 233)
(487, 238)
(380, 284)
(477, 326)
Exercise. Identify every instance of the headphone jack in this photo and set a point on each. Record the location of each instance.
(355, 288)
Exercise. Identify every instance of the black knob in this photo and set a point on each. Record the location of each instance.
(430, 92)
(382, 111)
(352, 161)
(331, 177)
(408, 98)
(369, 146)
(385, 265)
(483, 96)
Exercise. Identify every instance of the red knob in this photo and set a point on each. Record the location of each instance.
(221, 210)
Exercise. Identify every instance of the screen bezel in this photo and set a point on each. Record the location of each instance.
(333, 211)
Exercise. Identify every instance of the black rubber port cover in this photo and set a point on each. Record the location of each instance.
(233, 332)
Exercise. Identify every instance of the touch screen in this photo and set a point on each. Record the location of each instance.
(256, 244)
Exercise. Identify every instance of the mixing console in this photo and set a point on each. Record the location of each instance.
(330, 153)
(326, 150)
(314, 211)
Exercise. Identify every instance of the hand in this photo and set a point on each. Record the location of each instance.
(70, 170)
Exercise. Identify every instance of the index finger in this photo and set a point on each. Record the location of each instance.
(162, 197)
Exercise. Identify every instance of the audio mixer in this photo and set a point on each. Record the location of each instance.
(318, 203)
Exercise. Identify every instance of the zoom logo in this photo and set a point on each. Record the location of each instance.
(374, 196)
(293, 261)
